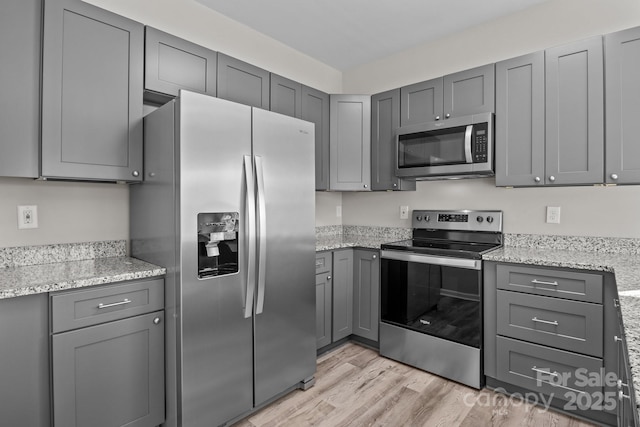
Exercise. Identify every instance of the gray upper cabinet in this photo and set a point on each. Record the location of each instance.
(575, 113)
(459, 94)
(286, 96)
(242, 82)
(519, 122)
(92, 88)
(172, 63)
(385, 119)
(622, 62)
(469, 92)
(315, 108)
(350, 143)
(20, 40)
(421, 102)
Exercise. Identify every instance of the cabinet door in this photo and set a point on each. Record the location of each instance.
(469, 92)
(24, 371)
(574, 113)
(366, 293)
(315, 109)
(242, 82)
(385, 119)
(421, 102)
(172, 63)
(20, 40)
(342, 294)
(91, 93)
(286, 96)
(323, 309)
(622, 62)
(350, 143)
(520, 121)
(110, 374)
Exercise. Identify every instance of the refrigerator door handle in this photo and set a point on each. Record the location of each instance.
(251, 237)
(262, 234)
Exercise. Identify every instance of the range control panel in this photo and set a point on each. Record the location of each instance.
(466, 220)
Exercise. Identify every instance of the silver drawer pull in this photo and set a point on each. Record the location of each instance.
(126, 301)
(621, 395)
(540, 282)
(542, 371)
(425, 322)
(548, 322)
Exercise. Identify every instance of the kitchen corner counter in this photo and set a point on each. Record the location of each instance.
(350, 236)
(621, 260)
(40, 278)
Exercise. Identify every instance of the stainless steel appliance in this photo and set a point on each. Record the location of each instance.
(228, 207)
(431, 293)
(460, 147)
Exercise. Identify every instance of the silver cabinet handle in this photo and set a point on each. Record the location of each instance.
(540, 282)
(437, 118)
(375, 257)
(135, 173)
(156, 321)
(446, 116)
(328, 277)
(548, 322)
(552, 178)
(614, 176)
(365, 186)
(542, 371)
(536, 179)
(395, 185)
(621, 395)
(114, 304)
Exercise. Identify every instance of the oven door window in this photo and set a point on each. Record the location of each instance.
(434, 148)
(435, 300)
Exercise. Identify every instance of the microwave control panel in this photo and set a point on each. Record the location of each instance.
(480, 138)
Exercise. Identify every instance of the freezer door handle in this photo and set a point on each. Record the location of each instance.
(262, 234)
(250, 218)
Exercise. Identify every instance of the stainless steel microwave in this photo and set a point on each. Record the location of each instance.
(459, 147)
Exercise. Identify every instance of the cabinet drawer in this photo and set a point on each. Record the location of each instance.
(546, 370)
(80, 308)
(323, 262)
(557, 283)
(570, 325)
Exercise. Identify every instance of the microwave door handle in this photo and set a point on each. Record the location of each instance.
(467, 144)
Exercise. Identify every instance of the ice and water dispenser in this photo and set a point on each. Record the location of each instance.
(217, 244)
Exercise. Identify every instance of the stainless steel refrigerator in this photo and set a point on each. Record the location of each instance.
(228, 207)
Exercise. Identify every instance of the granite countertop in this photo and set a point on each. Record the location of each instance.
(624, 266)
(34, 279)
(352, 236)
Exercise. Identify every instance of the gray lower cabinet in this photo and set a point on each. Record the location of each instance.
(366, 293)
(551, 331)
(324, 300)
(314, 107)
(24, 356)
(242, 82)
(520, 130)
(574, 113)
(385, 119)
(627, 412)
(92, 90)
(285, 96)
(622, 106)
(350, 143)
(172, 63)
(342, 304)
(20, 41)
(107, 355)
(459, 94)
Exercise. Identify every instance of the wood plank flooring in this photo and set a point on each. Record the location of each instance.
(356, 387)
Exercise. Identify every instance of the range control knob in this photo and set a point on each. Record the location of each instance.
(479, 218)
(489, 219)
(419, 218)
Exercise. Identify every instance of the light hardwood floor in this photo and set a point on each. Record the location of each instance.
(356, 387)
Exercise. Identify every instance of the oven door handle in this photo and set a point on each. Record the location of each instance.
(470, 264)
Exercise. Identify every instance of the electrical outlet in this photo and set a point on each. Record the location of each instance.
(339, 211)
(404, 212)
(27, 217)
(553, 214)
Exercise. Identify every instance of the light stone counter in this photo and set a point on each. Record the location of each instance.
(618, 256)
(348, 236)
(25, 270)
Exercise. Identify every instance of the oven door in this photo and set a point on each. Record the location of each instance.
(434, 295)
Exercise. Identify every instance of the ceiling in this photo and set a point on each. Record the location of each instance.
(348, 33)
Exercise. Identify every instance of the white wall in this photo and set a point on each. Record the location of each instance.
(586, 211)
(79, 212)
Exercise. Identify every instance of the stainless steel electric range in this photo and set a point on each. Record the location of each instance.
(431, 293)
